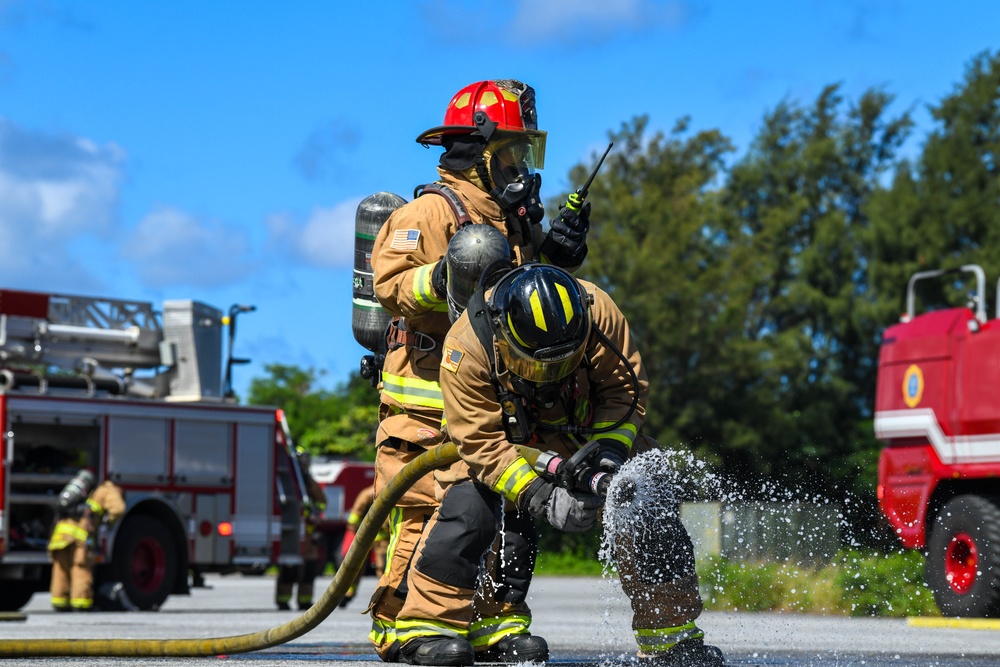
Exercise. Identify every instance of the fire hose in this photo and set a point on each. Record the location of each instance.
(438, 457)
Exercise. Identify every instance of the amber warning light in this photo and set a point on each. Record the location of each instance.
(225, 529)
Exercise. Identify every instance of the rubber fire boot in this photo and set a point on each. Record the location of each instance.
(688, 653)
(445, 651)
(513, 649)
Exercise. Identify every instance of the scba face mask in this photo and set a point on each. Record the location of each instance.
(511, 162)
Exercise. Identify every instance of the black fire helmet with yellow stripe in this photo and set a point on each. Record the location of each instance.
(541, 316)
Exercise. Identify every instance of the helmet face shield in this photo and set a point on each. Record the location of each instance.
(511, 161)
(519, 149)
(539, 369)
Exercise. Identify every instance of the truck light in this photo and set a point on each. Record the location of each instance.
(880, 491)
(225, 528)
(205, 528)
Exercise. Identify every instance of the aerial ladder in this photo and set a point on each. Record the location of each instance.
(53, 341)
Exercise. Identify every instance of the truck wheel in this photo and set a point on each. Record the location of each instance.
(15, 594)
(963, 557)
(145, 561)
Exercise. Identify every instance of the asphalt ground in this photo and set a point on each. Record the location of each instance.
(585, 620)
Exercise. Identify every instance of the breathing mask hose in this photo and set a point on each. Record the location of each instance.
(438, 457)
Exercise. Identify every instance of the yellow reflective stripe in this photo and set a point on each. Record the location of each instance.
(59, 602)
(658, 640)
(536, 310)
(395, 521)
(95, 506)
(407, 629)
(513, 480)
(65, 534)
(564, 298)
(413, 391)
(354, 519)
(382, 632)
(624, 434)
(423, 291)
(555, 422)
(80, 603)
(489, 631)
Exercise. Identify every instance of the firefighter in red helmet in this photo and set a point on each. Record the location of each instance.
(487, 175)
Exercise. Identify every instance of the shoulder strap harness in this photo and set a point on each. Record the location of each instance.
(461, 213)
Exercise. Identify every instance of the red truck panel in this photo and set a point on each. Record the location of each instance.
(937, 408)
(906, 478)
(24, 304)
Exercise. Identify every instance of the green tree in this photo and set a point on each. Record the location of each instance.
(334, 423)
(747, 287)
(807, 351)
(658, 249)
(942, 211)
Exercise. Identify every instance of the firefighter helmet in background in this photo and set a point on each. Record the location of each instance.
(541, 316)
(77, 490)
(471, 249)
(369, 320)
(304, 457)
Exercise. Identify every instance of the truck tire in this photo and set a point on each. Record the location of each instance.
(16, 594)
(145, 561)
(963, 557)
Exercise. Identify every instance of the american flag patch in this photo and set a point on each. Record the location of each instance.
(405, 239)
(451, 359)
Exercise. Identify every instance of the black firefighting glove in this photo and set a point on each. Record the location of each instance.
(566, 242)
(439, 278)
(610, 455)
(568, 511)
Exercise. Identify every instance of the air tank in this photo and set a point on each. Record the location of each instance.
(470, 251)
(77, 490)
(369, 319)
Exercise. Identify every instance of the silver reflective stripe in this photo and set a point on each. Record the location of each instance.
(489, 631)
(409, 628)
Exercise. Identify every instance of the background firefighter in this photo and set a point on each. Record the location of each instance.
(362, 503)
(492, 148)
(80, 511)
(551, 355)
(303, 576)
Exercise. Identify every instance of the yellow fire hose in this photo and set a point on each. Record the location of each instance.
(439, 457)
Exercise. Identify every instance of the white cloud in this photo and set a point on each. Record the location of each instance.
(57, 184)
(171, 247)
(55, 189)
(325, 239)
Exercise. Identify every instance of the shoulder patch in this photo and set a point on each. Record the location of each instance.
(451, 359)
(405, 239)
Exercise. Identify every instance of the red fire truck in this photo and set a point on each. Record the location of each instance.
(138, 396)
(342, 481)
(937, 411)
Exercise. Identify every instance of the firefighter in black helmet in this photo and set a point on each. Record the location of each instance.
(549, 360)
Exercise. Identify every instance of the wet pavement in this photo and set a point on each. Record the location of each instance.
(585, 620)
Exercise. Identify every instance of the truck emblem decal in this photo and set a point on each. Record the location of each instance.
(913, 386)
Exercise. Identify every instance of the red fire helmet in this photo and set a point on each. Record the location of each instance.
(486, 107)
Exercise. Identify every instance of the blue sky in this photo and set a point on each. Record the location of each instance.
(217, 151)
